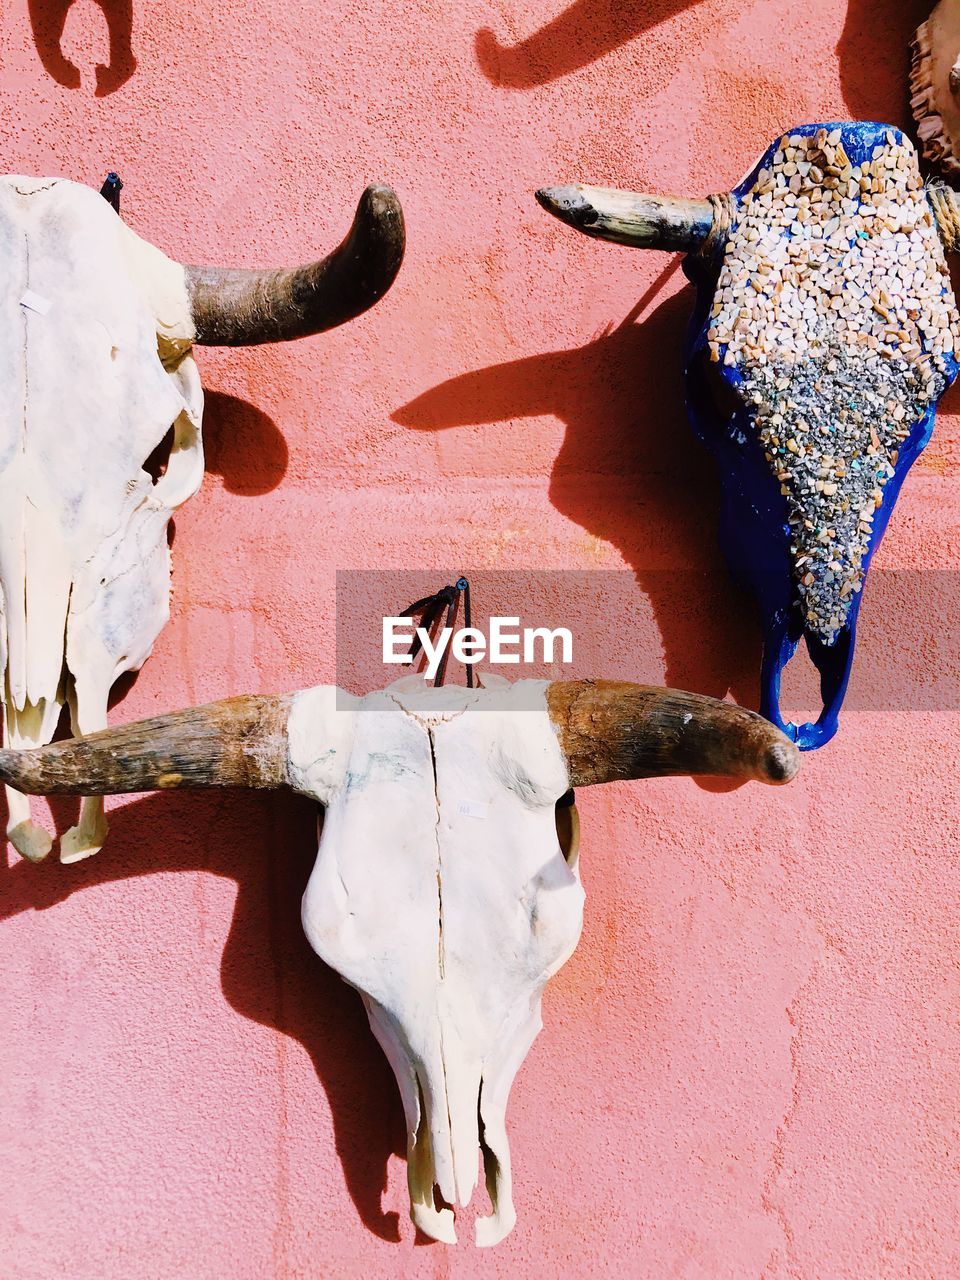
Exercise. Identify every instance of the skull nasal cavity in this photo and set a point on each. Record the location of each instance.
(156, 462)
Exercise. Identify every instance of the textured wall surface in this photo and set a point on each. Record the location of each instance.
(749, 1067)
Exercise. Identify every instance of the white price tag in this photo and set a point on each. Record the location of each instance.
(35, 302)
(472, 809)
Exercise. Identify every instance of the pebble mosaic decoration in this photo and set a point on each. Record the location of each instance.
(834, 307)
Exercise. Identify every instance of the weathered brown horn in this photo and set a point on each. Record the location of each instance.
(232, 307)
(610, 731)
(627, 217)
(239, 742)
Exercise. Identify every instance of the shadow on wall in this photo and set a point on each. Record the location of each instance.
(580, 35)
(48, 19)
(874, 58)
(629, 472)
(872, 50)
(267, 844)
(243, 445)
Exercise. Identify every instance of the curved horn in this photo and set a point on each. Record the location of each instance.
(945, 206)
(233, 307)
(641, 221)
(610, 730)
(239, 742)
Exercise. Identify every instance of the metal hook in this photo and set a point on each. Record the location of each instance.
(111, 189)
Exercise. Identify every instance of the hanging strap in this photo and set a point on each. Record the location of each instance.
(429, 613)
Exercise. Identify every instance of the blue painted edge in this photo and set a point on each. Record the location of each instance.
(754, 532)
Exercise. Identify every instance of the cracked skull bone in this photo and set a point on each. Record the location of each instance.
(441, 893)
(96, 336)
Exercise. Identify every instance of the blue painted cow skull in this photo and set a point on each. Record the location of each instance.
(823, 334)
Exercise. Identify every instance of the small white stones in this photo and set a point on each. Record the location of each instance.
(834, 304)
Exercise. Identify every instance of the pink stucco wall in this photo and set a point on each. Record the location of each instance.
(749, 1068)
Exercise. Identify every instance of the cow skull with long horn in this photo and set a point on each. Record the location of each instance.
(446, 887)
(823, 334)
(96, 335)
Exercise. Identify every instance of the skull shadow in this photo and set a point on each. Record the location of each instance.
(266, 843)
(652, 490)
(582, 34)
(874, 60)
(242, 445)
(48, 19)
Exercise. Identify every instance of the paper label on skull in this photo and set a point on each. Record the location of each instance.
(472, 809)
(35, 302)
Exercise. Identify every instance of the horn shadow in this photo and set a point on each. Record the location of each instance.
(874, 59)
(243, 445)
(48, 18)
(584, 32)
(638, 481)
(267, 844)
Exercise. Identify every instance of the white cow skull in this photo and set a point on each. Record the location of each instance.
(445, 888)
(96, 367)
(440, 892)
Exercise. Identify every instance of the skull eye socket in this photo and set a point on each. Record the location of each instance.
(155, 464)
(568, 828)
(176, 464)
